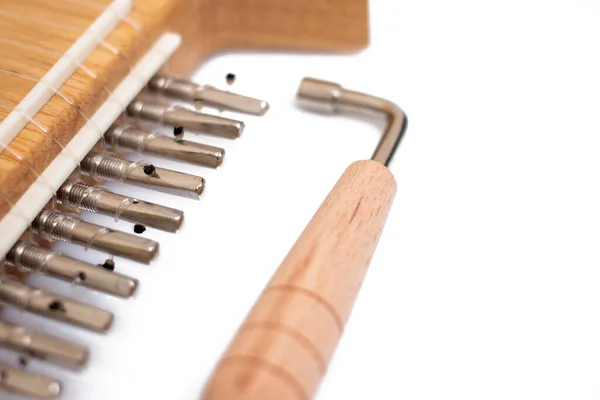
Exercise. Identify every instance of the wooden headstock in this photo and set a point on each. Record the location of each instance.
(206, 27)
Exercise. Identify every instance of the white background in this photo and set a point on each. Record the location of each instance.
(486, 282)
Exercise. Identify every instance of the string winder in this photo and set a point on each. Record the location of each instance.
(84, 83)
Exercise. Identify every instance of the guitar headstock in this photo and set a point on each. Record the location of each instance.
(35, 34)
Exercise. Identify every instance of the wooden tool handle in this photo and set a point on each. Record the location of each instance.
(282, 350)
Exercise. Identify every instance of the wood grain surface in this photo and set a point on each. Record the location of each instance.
(207, 27)
(282, 350)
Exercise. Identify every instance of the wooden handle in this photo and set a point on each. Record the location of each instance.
(283, 348)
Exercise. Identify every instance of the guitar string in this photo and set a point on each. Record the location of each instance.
(127, 202)
(131, 70)
(43, 128)
(61, 95)
(102, 43)
(99, 131)
(76, 63)
(11, 14)
(20, 213)
(107, 45)
(127, 19)
(20, 157)
(76, 161)
(90, 191)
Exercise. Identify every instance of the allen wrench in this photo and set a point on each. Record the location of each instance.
(288, 338)
(331, 98)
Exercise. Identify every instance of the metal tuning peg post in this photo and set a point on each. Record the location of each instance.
(97, 199)
(42, 346)
(54, 225)
(181, 116)
(106, 166)
(206, 95)
(16, 381)
(32, 258)
(131, 138)
(50, 305)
